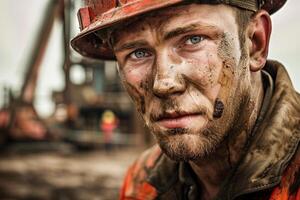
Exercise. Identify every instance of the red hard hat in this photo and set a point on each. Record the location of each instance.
(102, 14)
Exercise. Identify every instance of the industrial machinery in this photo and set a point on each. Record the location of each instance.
(83, 104)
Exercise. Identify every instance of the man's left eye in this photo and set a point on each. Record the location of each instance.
(194, 40)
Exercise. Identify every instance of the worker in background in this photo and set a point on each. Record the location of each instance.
(109, 123)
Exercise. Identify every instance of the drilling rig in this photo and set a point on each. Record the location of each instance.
(83, 103)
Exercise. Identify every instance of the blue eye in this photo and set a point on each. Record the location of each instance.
(194, 39)
(139, 54)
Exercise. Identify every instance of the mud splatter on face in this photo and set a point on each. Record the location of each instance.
(143, 107)
(226, 51)
(204, 71)
(218, 109)
(145, 85)
(137, 97)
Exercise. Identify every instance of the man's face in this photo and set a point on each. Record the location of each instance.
(187, 74)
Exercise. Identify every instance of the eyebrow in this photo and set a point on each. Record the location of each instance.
(186, 29)
(170, 34)
(131, 45)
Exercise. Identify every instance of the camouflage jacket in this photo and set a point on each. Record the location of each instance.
(270, 169)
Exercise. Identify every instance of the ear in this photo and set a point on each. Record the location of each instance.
(259, 35)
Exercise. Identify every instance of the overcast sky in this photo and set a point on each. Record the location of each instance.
(19, 19)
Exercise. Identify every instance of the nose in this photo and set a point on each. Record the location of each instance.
(168, 78)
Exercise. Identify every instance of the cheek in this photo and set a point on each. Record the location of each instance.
(134, 75)
(205, 71)
(136, 96)
(228, 78)
(229, 52)
(136, 82)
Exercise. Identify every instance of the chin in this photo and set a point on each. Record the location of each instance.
(187, 145)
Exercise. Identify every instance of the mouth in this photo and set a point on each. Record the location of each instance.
(178, 120)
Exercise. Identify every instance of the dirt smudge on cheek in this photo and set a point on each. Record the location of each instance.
(218, 109)
(197, 73)
(137, 98)
(143, 106)
(209, 74)
(226, 51)
(211, 69)
(144, 85)
(227, 75)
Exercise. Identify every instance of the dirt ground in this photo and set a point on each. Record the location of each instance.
(89, 175)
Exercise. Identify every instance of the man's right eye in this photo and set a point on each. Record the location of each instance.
(138, 54)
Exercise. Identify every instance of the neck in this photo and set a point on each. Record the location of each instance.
(212, 170)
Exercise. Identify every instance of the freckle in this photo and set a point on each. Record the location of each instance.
(171, 67)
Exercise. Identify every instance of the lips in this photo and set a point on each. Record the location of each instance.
(177, 119)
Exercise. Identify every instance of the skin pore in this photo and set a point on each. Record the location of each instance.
(196, 88)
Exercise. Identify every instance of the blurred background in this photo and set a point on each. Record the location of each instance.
(67, 128)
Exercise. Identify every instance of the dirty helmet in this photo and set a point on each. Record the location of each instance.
(100, 15)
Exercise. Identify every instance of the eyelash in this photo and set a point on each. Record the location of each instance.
(139, 50)
(189, 37)
(201, 38)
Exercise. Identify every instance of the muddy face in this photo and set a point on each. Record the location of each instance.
(182, 67)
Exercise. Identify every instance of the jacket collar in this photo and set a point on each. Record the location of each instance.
(275, 140)
(271, 148)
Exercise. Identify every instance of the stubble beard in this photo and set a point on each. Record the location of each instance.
(183, 144)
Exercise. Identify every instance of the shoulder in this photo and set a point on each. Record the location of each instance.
(135, 184)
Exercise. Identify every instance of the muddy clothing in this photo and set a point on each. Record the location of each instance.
(269, 168)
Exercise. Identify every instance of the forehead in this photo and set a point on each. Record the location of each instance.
(165, 20)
